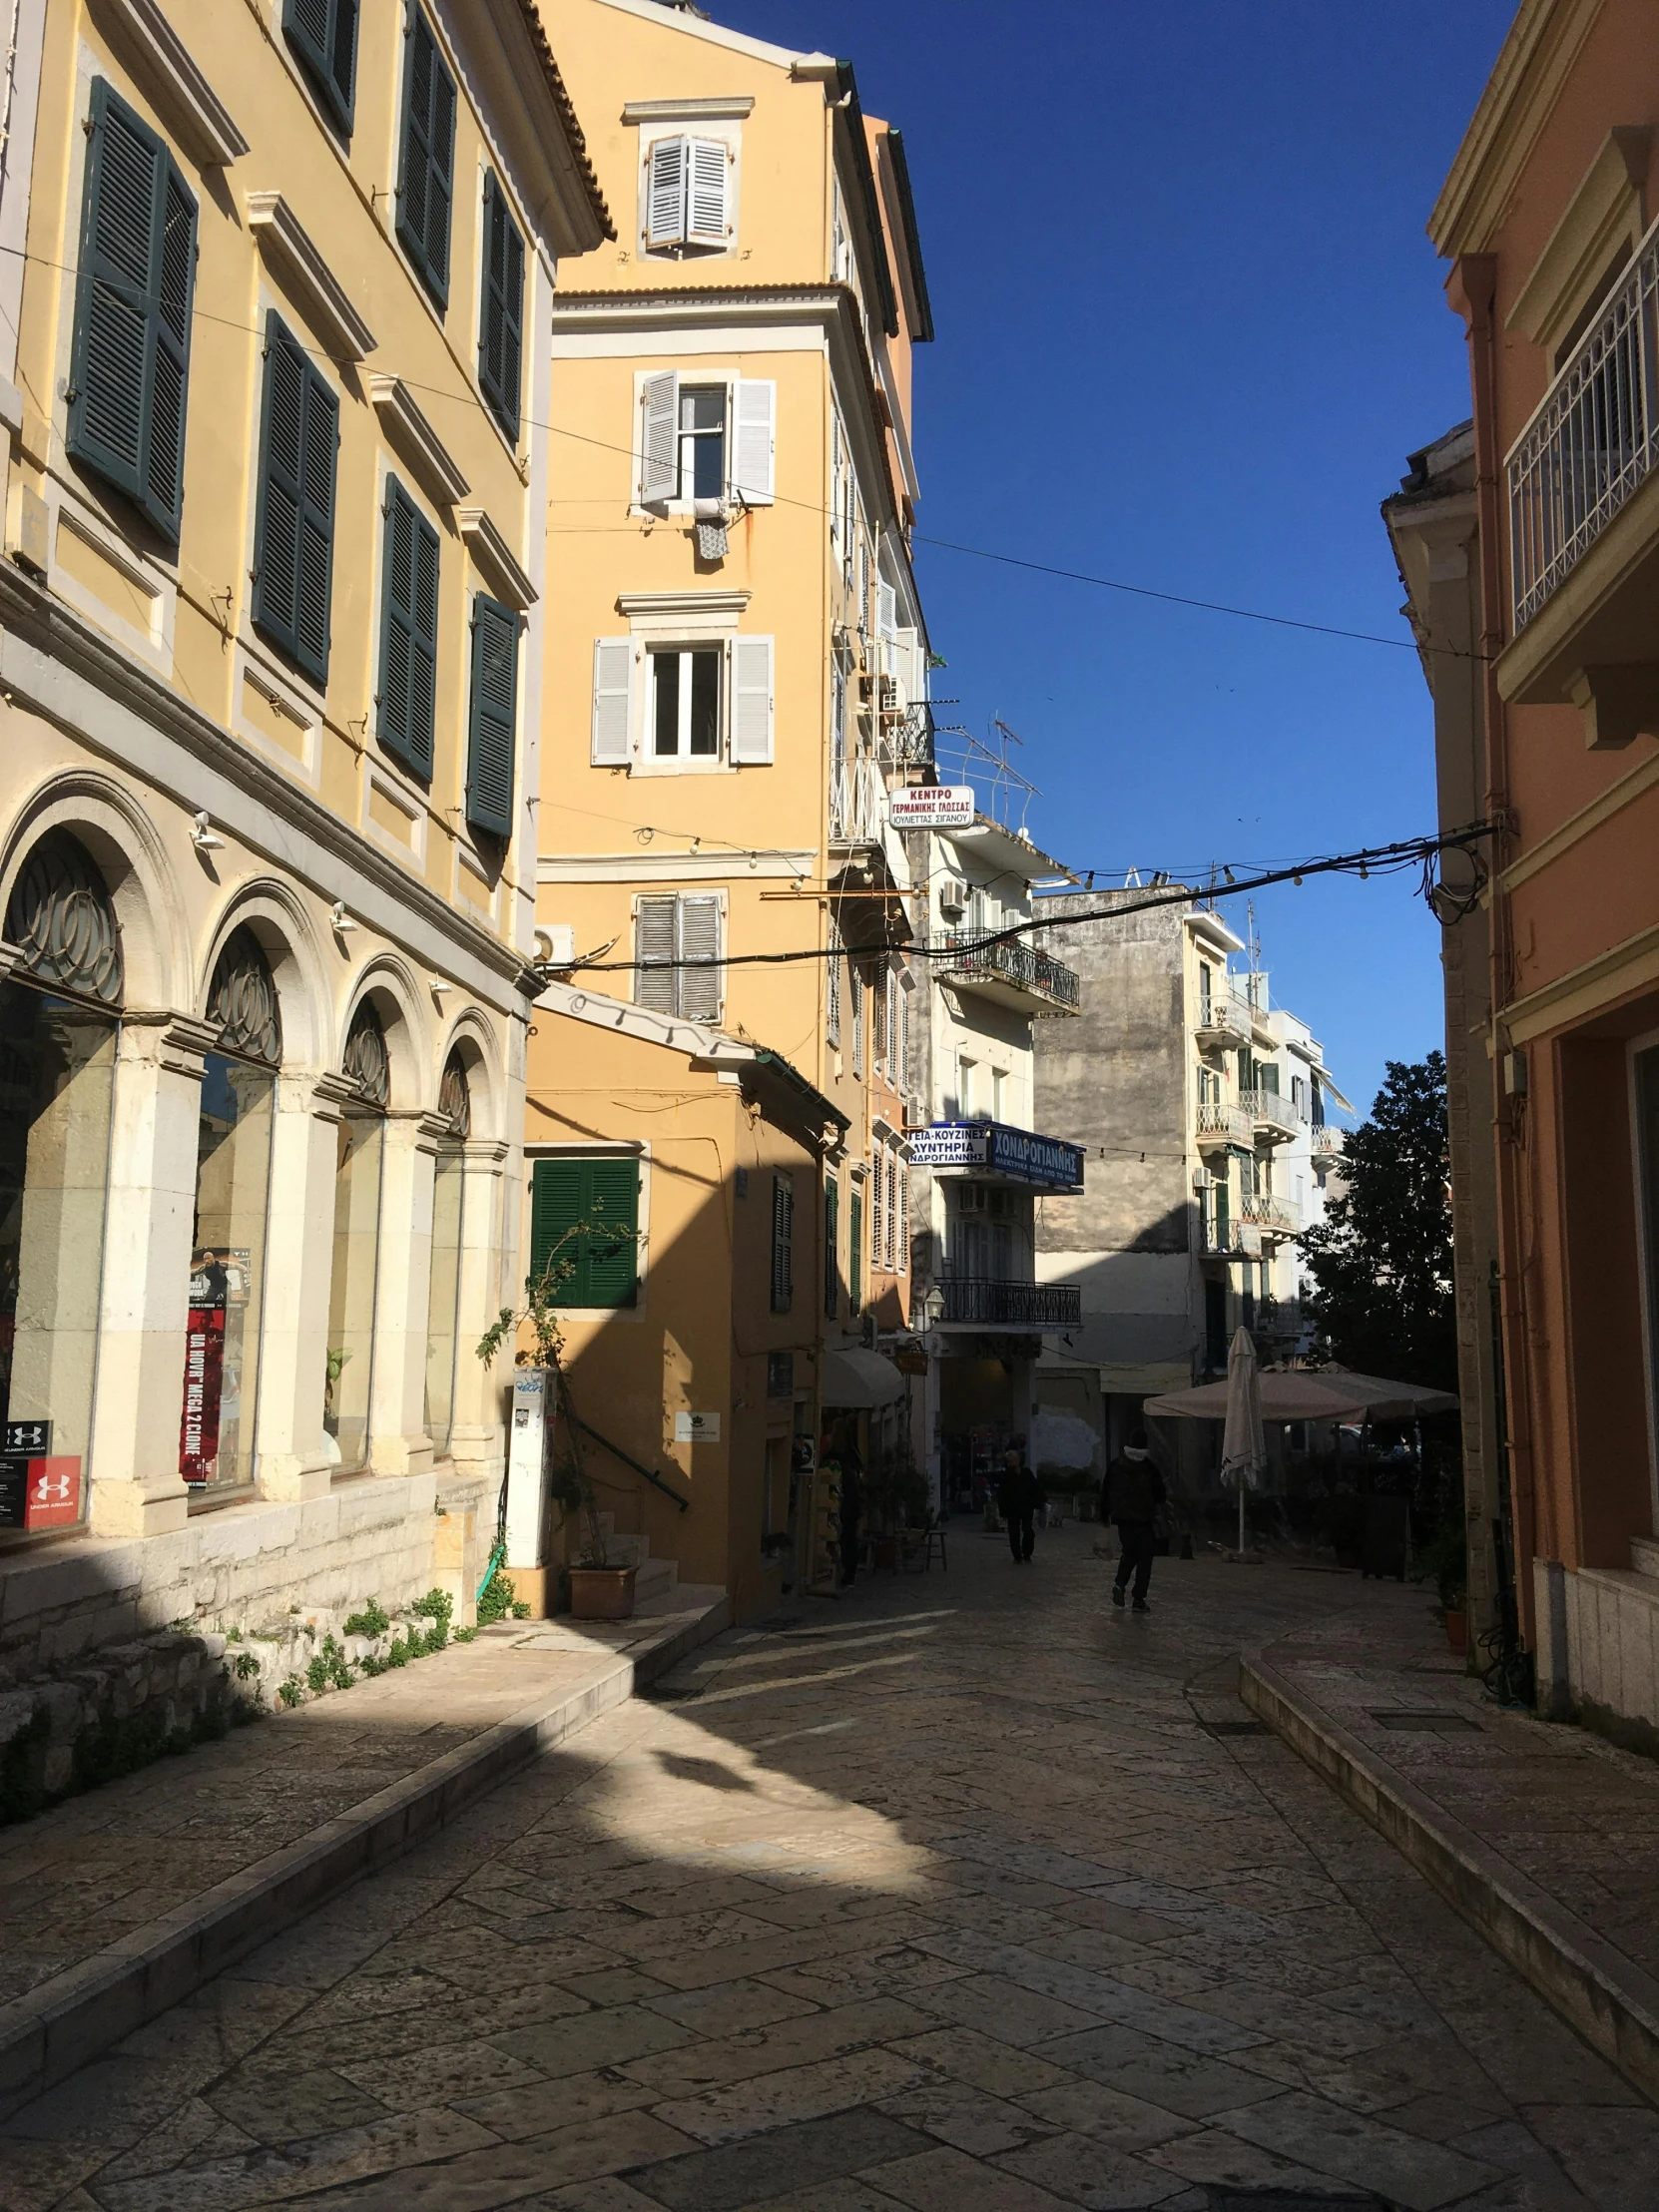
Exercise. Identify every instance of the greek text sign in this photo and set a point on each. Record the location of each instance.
(1047, 1163)
(931, 807)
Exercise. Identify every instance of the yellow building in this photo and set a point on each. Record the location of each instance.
(271, 696)
(737, 676)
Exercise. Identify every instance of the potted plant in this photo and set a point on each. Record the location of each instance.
(599, 1589)
(896, 1499)
(1445, 1556)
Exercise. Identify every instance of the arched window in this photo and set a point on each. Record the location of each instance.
(448, 1209)
(358, 1161)
(233, 1184)
(59, 1030)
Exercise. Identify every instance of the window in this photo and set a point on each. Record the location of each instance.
(584, 1228)
(613, 702)
(856, 1254)
(426, 177)
(782, 1243)
(293, 535)
(443, 1293)
(967, 1088)
(324, 33)
(999, 1094)
(833, 968)
(685, 194)
(129, 369)
(493, 725)
(668, 932)
(409, 632)
(904, 1211)
(832, 1251)
(881, 1012)
(701, 440)
(502, 333)
(855, 984)
(359, 1147)
(877, 1210)
(685, 702)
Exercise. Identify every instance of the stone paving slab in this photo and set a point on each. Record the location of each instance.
(115, 1904)
(1544, 1836)
(947, 1898)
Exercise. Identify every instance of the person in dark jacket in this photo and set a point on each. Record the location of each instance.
(1129, 1496)
(1018, 1494)
(852, 1507)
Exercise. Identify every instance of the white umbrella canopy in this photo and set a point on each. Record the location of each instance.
(1244, 1448)
(1310, 1393)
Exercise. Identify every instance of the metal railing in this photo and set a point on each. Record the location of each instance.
(1218, 1124)
(1223, 1236)
(1280, 1217)
(1227, 1013)
(1011, 961)
(1590, 442)
(998, 1305)
(857, 802)
(1279, 1316)
(1326, 1141)
(1269, 1111)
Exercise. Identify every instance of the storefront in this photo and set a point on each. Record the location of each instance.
(359, 1168)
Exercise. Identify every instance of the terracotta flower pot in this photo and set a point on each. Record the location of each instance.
(1457, 1630)
(884, 1551)
(601, 1593)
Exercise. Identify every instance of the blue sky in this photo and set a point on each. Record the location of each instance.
(1188, 328)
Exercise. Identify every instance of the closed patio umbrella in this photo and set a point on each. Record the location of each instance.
(1242, 1445)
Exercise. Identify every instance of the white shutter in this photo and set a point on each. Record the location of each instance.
(832, 988)
(659, 438)
(706, 193)
(835, 478)
(906, 663)
(700, 991)
(653, 942)
(665, 192)
(888, 602)
(613, 699)
(750, 701)
(754, 439)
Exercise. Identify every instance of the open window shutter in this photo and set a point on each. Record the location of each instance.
(782, 1243)
(324, 33)
(656, 983)
(665, 192)
(832, 1255)
(753, 437)
(494, 717)
(612, 692)
(427, 184)
(555, 1207)
(659, 438)
(501, 339)
(700, 988)
(886, 600)
(423, 660)
(709, 166)
(293, 539)
(408, 635)
(832, 988)
(612, 1209)
(855, 1253)
(750, 701)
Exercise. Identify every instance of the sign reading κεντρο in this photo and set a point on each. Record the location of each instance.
(931, 807)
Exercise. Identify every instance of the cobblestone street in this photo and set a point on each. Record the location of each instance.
(968, 1891)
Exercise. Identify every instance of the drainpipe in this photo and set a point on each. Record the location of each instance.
(1471, 291)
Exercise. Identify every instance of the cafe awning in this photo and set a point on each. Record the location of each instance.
(860, 1380)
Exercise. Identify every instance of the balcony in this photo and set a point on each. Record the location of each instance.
(1011, 972)
(1273, 1119)
(1220, 1126)
(857, 803)
(1275, 1217)
(983, 1302)
(1281, 1319)
(1223, 1237)
(1223, 1021)
(1327, 1144)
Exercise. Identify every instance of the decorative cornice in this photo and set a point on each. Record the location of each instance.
(417, 441)
(674, 867)
(631, 603)
(712, 109)
(489, 549)
(280, 237)
(162, 63)
(1611, 976)
(1629, 787)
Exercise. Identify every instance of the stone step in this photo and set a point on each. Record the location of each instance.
(627, 1551)
(657, 1578)
(1644, 1555)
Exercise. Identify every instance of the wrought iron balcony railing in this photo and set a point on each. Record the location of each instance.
(1274, 1216)
(1018, 966)
(1326, 1143)
(1592, 440)
(1223, 1125)
(1274, 1117)
(998, 1305)
(857, 802)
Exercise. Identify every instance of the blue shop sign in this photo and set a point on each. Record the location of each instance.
(1048, 1163)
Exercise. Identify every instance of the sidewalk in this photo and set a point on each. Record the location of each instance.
(1544, 1836)
(115, 1904)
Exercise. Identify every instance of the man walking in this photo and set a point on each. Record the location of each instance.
(1129, 1496)
(1018, 1494)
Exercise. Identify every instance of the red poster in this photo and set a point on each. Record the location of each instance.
(203, 1382)
(54, 1493)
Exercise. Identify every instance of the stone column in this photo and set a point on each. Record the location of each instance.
(398, 1438)
(477, 1430)
(137, 1489)
(292, 1460)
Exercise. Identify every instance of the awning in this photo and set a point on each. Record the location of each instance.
(860, 1380)
(1313, 1393)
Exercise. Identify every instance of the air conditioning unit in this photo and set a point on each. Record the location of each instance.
(915, 1113)
(953, 895)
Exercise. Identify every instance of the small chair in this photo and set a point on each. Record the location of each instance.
(933, 1533)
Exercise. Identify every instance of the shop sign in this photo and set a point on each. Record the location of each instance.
(909, 1358)
(931, 807)
(949, 1143)
(697, 1428)
(40, 1493)
(26, 1439)
(1047, 1161)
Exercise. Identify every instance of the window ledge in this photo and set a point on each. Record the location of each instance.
(715, 603)
(489, 549)
(160, 60)
(417, 439)
(283, 240)
(712, 109)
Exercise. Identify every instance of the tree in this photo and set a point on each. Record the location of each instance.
(1381, 1261)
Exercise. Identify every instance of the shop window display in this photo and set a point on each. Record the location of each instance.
(443, 1304)
(358, 1160)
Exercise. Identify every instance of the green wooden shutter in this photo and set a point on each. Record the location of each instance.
(501, 339)
(409, 632)
(783, 1243)
(293, 537)
(855, 1253)
(130, 370)
(324, 33)
(604, 1193)
(831, 1256)
(426, 182)
(494, 717)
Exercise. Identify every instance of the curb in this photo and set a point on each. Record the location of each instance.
(77, 2014)
(1609, 2000)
